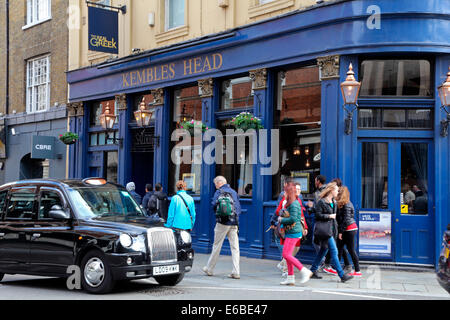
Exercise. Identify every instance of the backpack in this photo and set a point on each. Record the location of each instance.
(225, 205)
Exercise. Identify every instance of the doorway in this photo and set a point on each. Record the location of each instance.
(396, 200)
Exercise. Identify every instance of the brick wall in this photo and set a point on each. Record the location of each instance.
(50, 37)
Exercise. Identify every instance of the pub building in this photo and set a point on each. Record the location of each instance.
(389, 146)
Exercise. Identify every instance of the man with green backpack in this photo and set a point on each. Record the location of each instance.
(227, 209)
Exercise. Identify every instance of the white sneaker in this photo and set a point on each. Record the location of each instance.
(289, 281)
(280, 266)
(205, 270)
(305, 275)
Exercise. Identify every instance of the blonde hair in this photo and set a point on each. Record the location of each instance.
(343, 196)
(328, 189)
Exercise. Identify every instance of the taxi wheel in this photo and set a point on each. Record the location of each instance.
(170, 280)
(96, 276)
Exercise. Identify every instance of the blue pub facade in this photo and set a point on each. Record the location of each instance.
(287, 71)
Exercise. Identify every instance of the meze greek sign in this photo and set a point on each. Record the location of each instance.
(103, 30)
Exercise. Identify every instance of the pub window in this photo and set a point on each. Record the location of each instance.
(374, 182)
(411, 78)
(236, 93)
(97, 108)
(297, 115)
(237, 164)
(111, 160)
(398, 118)
(186, 157)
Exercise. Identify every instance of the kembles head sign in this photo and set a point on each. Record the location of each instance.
(42, 147)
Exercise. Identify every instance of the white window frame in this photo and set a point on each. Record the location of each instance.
(167, 16)
(34, 16)
(35, 83)
(261, 2)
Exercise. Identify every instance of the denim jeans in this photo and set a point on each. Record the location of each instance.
(334, 257)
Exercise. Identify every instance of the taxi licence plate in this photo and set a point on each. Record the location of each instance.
(165, 269)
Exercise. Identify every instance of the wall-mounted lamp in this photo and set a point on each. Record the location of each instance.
(444, 94)
(107, 120)
(350, 91)
(143, 116)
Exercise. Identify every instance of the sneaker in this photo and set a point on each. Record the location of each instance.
(330, 270)
(280, 266)
(305, 275)
(234, 276)
(205, 270)
(348, 269)
(284, 274)
(356, 274)
(289, 281)
(315, 275)
(346, 277)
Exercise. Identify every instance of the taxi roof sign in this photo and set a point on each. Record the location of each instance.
(95, 181)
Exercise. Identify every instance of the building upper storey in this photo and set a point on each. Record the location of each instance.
(148, 25)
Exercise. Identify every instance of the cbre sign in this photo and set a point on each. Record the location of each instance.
(42, 147)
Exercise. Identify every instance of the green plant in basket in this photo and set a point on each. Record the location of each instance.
(245, 121)
(191, 125)
(68, 138)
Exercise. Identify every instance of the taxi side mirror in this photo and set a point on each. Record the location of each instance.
(58, 213)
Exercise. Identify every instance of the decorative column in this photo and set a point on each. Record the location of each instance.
(331, 115)
(205, 221)
(162, 137)
(261, 183)
(124, 150)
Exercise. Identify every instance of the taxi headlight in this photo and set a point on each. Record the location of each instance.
(186, 237)
(126, 240)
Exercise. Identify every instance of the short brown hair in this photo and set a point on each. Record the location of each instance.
(343, 197)
(180, 185)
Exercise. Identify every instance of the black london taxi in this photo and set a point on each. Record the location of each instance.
(51, 227)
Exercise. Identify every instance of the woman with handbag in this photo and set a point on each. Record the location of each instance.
(326, 231)
(291, 220)
(280, 241)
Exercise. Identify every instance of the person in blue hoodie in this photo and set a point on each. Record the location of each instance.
(181, 213)
(226, 226)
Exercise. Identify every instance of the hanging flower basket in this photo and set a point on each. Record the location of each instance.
(68, 138)
(191, 125)
(246, 121)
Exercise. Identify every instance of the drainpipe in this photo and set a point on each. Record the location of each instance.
(7, 59)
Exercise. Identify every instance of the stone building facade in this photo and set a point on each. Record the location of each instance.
(38, 42)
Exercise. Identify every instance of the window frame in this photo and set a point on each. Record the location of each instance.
(31, 106)
(31, 19)
(167, 26)
(428, 58)
(16, 188)
(50, 189)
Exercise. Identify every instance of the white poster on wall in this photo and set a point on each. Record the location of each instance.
(375, 233)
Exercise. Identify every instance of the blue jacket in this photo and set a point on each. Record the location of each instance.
(178, 215)
(136, 196)
(237, 205)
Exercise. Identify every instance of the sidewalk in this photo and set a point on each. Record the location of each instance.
(263, 273)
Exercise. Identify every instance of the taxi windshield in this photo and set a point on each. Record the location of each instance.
(94, 202)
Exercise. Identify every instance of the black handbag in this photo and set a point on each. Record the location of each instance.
(323, 230)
